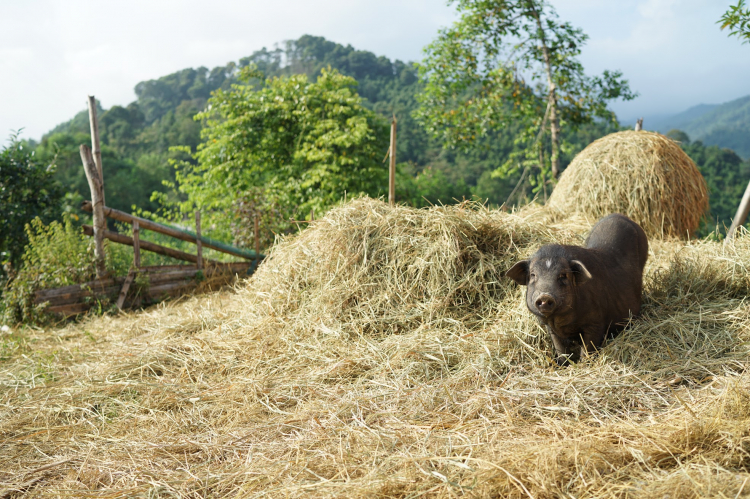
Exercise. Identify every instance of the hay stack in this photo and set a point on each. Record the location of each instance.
(643, 175)
(381, 270)
(296, 386)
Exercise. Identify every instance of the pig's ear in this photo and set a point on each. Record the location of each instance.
(582, 274)
(519, 272)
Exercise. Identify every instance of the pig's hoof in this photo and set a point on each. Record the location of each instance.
(564, 360)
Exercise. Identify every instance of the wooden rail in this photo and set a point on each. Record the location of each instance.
(154, 248)
(163, 282)
(173, 232)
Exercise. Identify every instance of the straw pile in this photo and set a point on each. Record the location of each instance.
(379, 354)
(643, 175)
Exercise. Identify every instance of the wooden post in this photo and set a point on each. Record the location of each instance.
(100, 223)
(312, 215)
(125, 288)
(136, 245)
(199, 263)
(257, 237)
(392, 170)
(742, 211)
(96, 150)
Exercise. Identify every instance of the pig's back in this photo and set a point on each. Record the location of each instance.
(622, 239)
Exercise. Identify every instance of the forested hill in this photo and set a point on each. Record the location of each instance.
(725, 125)
(136, 138)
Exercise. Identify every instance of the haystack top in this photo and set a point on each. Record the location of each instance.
(643, 175)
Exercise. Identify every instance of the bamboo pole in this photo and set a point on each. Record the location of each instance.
(182, 235)
(136, 245)
(199, 244)
(392, 169)
(742, 211)
(96, 149)
(100, 222)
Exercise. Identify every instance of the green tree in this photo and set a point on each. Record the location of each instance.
(27, 190)
(305, 144)
(512, 63)
(737, 19)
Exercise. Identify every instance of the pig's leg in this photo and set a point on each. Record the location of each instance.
(566, 349)
(593, 338)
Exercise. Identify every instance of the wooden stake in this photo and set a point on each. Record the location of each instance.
(96, 150)
(100, 223)
(199, 263)
(125, 288)
(742, 211)
(136, 245)
(392, 170)
(256, 236)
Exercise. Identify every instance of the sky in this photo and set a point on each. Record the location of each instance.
(55, 53)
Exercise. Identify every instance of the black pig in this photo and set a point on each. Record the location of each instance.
(582, 294)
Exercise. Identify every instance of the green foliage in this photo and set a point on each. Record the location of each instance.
(737, 19)
(726, 175)
(273, 216)
(57, 255)
(27, 190)
(510, 64)
(136, 138)
(429, 186)
(305, 144)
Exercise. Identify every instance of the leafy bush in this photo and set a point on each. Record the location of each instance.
(57, 255)
(273, 218)
(27, 190)
(305, 144)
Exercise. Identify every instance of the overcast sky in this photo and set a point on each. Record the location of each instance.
(54, 53)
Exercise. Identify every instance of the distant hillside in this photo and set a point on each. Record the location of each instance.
(136, 138)
(726, 125)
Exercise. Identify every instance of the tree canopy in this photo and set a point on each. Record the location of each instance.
(303, 144)
(27, 190)
(512, 63)
(737, 19)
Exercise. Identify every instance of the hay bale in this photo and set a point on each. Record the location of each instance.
(643, 175)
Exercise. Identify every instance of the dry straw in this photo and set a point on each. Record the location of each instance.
(380, 353)
(644, 175)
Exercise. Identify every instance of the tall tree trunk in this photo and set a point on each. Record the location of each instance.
(551, 95)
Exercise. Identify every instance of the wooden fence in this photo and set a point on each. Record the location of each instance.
(142, 285)
(161, 282)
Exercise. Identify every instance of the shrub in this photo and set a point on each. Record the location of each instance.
(57, 255)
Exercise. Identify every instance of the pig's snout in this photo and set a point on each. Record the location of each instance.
(545, 304)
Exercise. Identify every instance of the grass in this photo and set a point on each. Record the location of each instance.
(380, 353)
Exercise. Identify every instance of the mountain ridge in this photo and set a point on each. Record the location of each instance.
(724, 125)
